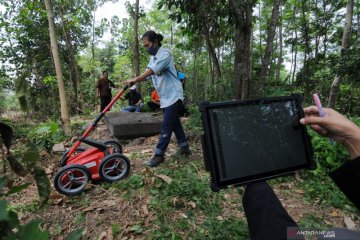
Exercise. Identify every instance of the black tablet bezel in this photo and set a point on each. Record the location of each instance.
(209, 148)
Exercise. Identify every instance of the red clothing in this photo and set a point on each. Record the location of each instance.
(154, 96)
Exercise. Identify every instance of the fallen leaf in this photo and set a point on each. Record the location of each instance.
(300, 191)
(102, 236)
(334, 214)
(49, 170)
(110, 234)
(327, 222)
(166, 179)
(349, 223)
(192, 204)
(174, 200)
(145, 209)
(91, 208)
(183, 215)
(146, 151)
(58, 201)
(220, 218)
(109, 203)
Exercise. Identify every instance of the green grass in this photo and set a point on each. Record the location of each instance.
(176, 219)
(310, 220)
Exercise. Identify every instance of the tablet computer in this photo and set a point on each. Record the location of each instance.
(254, 140)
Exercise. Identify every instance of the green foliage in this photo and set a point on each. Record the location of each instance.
(116, 229)
(23, 161)
(76, 234)
(327, 155)
(42, 183)
(228, 229)
(46, 135)
(310, 220)
(135, 181)
(194, 124)
(10, 227)
(322, 190)
(317, 185)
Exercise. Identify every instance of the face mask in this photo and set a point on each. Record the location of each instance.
(152, 51)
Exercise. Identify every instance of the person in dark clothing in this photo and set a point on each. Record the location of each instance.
(103, 90)
(135, 101)
(268, 219)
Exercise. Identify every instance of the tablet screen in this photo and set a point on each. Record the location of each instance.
(253, 139)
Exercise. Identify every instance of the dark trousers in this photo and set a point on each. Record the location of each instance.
(171, 123)
(266, 217)
(104, 101)
(153, 106)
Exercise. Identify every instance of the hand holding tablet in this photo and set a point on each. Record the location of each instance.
(253, 140)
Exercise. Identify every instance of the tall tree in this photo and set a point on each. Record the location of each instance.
(75, 76)
(136, 43)
(334, 91)
(280, 58)
(59, 75)
(243, 29)
(269, 46)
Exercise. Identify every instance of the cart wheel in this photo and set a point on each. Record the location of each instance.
(114, 146)
(63, 161)
(71, 180)
(114, 167)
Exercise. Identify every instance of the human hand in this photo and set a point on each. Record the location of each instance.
(335, 126)
(129, 82)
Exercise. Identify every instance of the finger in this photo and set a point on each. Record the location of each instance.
(311, 110)
(312, 120)
(320, 130)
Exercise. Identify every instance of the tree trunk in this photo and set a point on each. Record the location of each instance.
(269, 46)
(280, 59)
(243, 29)
(306, 37)
(171, 35)
(93, 39)
(72, 60)
(214, 58)
(295, 61)
(136, 44)
(59, 75)
(208, 80)
(334, 91)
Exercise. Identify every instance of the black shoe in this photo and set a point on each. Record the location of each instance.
(155, 161)
(185, 151)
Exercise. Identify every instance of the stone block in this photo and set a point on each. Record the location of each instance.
(125, 125)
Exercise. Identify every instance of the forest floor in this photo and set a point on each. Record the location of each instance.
(172, 201)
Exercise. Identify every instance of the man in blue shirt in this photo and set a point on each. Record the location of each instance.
(162, 71)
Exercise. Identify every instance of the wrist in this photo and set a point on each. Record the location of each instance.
(352, 144)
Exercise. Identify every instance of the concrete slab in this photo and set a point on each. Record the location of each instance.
(124, 125)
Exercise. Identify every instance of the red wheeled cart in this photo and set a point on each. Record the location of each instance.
(104, 160)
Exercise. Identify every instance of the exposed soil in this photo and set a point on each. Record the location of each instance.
(101, 207)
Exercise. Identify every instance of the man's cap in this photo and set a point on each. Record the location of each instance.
(133, 87)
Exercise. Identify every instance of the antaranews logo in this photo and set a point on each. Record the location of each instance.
(294, 233)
